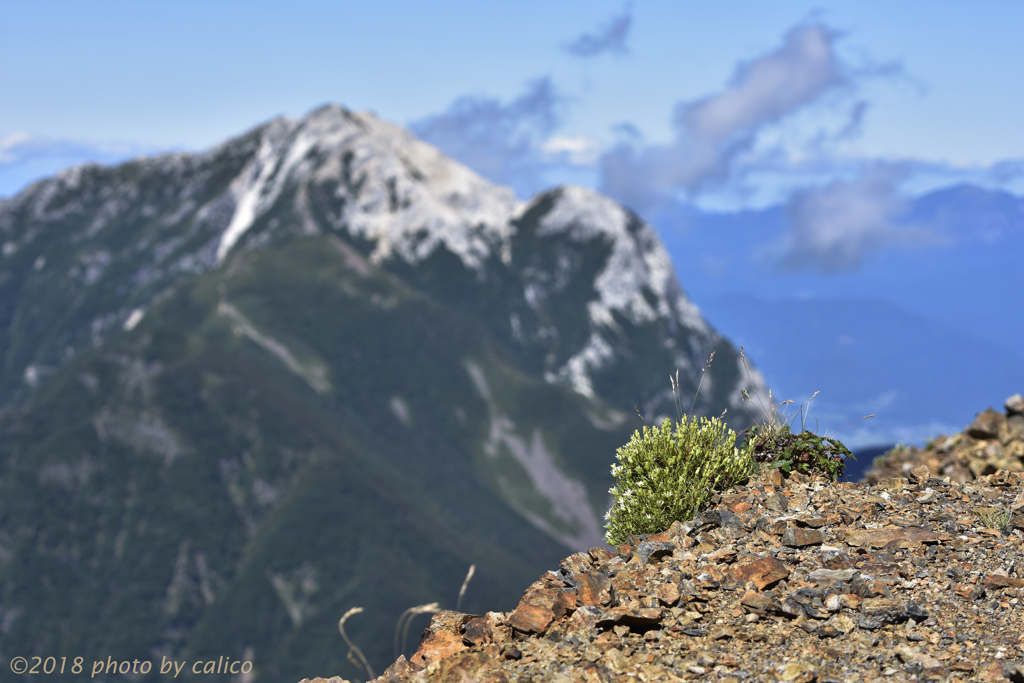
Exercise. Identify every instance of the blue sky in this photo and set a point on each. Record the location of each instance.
(927, 83)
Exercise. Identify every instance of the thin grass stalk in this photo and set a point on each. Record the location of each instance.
(412, 612)
(695, 394)
(352, 648)
(465, 584)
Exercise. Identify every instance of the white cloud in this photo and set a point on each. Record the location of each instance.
(500, 141)
(837, 226)
(612, 38)
(579, 150)
(713, 131)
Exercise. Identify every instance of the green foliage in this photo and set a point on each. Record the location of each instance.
(663, 475)
(806, 452)
(773, 444)
(995, 518)
(999, 517)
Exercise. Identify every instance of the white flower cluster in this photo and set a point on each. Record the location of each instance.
(664, 474)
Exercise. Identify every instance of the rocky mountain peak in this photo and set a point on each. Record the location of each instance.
(638, 262)
(389, 187)
(580, 275)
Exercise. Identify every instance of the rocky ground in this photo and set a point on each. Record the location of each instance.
(994, 441)
(914, 575)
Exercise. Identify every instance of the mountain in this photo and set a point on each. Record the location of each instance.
(317, 366)
(957, 275)
(918, 376)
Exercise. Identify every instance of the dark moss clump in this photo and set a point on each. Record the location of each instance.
(806, 452)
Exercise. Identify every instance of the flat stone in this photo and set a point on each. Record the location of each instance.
(1002, 581)
(811, 521)
(877, 612)
(795, 537)
(823, 575)
(763, 571)
(576, 564)
(436, 646)
(720, 518)
(757, 602)
(596, 589)
(631, 616)
(539, 608)
(907, 537)
(654, 550)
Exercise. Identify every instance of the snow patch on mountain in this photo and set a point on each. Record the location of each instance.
(576, 371)
(572, 520)
(393, 189)
(409, 199)
(637, 282)
(261, 181)
(638, 260)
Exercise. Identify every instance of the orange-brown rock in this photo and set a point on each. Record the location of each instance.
(595, 589)
(796, 537)
(442, 638)
(632, 616)
(539, 608)
(905, 537)
(763, 572)
(476, 666)
(436, 646)
(1002, 581)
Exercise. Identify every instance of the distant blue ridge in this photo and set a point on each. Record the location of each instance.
(856, 469)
